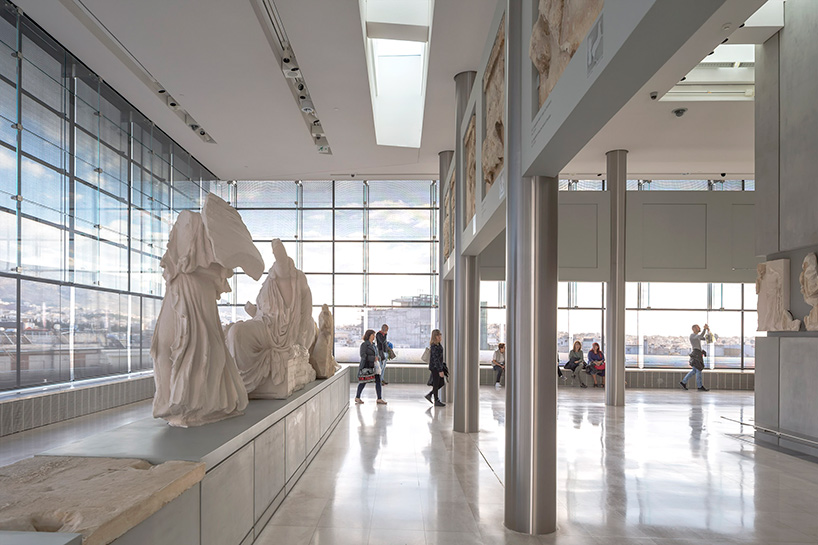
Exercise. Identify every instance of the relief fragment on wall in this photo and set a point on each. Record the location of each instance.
(471, 170)
(494, 91)
(560, 27)
(448, 218)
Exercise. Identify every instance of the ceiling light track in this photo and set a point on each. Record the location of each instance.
(91, 22)
(273, 28)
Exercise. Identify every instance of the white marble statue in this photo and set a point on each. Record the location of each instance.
(809, 288)
(271, 349)
(773, 289)
(321, 356)
(197, 380)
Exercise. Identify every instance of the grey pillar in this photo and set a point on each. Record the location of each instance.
(465, 368)
(615, 313)
(444, 306)
(531, 320)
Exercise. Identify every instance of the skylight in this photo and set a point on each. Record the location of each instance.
(396, 35)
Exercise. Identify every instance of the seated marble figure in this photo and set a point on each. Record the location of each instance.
(272, 349)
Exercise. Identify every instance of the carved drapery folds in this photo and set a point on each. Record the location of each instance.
(809, 289)
(471, 170)
(560, 27)
(494, 91)
(773, 289)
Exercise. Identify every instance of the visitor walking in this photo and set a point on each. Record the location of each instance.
(369, 361)
(696, 356)
(383, 350)
(437, 368)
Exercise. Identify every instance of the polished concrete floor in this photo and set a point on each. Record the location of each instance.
(666, 469)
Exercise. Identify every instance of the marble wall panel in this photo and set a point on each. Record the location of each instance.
(313, 419)
(269, 465)
(177, 522)
(228, 484)
(295, 439)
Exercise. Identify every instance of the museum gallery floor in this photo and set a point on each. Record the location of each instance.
(665, 469)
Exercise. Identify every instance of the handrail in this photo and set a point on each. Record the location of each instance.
(773, 431)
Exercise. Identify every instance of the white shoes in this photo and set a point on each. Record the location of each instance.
(496, 385)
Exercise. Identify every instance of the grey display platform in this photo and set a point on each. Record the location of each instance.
(39, 538)
(252, 461)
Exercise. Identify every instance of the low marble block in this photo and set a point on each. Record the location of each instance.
(39, 538)
(270, 476)
(100, 498)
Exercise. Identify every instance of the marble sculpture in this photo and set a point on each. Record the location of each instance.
(321, 354)
(560, 27)
(197, 380)
(773, 289)
(448, 219)
(809, 288)
(471, 170)
(271, 349)
(494, 91)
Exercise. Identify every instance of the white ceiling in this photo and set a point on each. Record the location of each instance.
(213, 57)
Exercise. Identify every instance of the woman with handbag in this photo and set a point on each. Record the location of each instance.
(437, 368)
(596, 361)
(369, 370)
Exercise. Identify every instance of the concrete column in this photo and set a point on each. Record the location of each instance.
(465, 368)
(615, 313)
(444, 306)
(531, 320)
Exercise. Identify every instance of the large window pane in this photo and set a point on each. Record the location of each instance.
(400, 224)
(349, 289)
(8, 333)
(321, 288)
(266, 194)
(750, 334)
(317, 225)
(726, 350)
(666, 336)
(269, 224)
(349, 329)
(44, 353)
(397, 257)
(679, 295)
(589, 295)
(349, 224)
(349, 194)
(349, 256)
(399, 290)
(316, 194)
(316, 257)
(8, 241)
(100, 333)
(400, 194)
(43, 250)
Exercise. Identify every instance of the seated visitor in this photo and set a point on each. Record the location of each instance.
(596, 364)
(576, 363)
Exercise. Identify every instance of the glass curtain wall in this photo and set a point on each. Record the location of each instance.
(368, 249)
(89, 189)
(658, 321)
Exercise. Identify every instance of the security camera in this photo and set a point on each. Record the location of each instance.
(194, 126)
(300, 86)
(202, 132)
(654, 95)
(679, 112)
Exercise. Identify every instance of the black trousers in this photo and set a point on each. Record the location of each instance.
(437, 384)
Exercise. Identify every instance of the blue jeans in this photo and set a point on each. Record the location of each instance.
(383, 356)
(377, 387)
(698, 377)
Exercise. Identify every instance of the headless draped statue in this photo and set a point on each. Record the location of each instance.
(197, 380)
(271, 349)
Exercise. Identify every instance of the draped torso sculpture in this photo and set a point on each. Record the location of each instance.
(322, 359)
(197, 380)
(271, 349)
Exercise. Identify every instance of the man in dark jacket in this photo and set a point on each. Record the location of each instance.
(383, 350)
